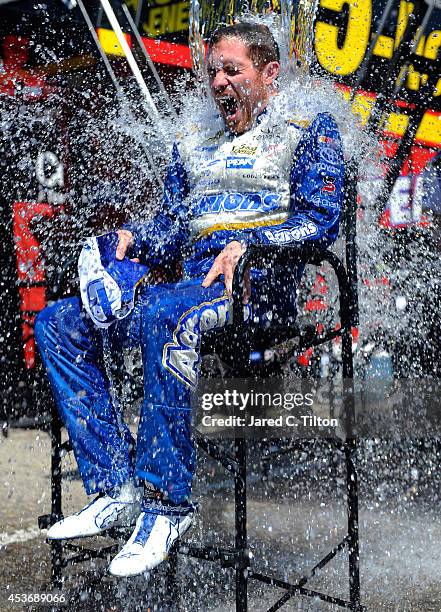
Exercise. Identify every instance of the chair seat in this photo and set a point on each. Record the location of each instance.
(243, 350)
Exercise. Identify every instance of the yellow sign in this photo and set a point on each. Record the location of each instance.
(166, 18)
(429, 130)
(339, 51)
(345, 59)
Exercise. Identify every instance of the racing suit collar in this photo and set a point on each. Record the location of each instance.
(257, 120)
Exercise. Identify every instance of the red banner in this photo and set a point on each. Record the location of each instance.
(30, 271)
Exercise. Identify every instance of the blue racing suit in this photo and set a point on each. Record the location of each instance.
(279, 183)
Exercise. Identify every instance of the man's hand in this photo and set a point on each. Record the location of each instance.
(225, 263)
(125, 241)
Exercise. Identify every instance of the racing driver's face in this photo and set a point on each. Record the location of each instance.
(241, 89)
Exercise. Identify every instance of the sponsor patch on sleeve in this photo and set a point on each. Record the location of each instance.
(327, 140)
(292, 234)
(328, 184)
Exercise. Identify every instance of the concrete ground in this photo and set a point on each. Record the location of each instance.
(293, 521)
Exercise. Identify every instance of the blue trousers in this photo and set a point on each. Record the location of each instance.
(166, 324)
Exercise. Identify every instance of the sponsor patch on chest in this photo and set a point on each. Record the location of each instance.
(244, 149)
(239, 163)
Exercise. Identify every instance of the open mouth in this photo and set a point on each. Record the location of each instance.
(229, 106)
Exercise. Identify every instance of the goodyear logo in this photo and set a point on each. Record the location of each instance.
(239, 163)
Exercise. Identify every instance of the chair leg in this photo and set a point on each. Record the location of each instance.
(352, 506)
(351, 472)
(171, 583)
(56, 510)
(240, 492)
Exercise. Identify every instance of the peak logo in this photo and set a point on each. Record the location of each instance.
(239, 163)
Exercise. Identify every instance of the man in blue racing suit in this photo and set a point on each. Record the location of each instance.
(263, 179)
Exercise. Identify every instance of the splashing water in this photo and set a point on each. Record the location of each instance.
(301, 96)
(134, 194)
(131, 191)
(386, 273)
(124, 126)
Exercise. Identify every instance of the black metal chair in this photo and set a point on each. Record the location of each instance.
(246, 338)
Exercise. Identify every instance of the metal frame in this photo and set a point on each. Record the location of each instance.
(238, 558)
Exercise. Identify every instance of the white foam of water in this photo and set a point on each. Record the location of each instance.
(21, 535)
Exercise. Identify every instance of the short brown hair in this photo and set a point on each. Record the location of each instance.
(262, 47)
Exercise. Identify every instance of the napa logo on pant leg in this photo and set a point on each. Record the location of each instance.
(181, 357)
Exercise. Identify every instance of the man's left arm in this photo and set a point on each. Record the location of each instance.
(317, 184)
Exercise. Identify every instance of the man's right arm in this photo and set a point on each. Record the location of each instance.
(161, 239)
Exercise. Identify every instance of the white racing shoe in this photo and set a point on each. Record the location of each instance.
(150, 543)
(101, 514)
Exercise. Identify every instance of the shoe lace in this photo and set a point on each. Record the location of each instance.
(145, 528)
